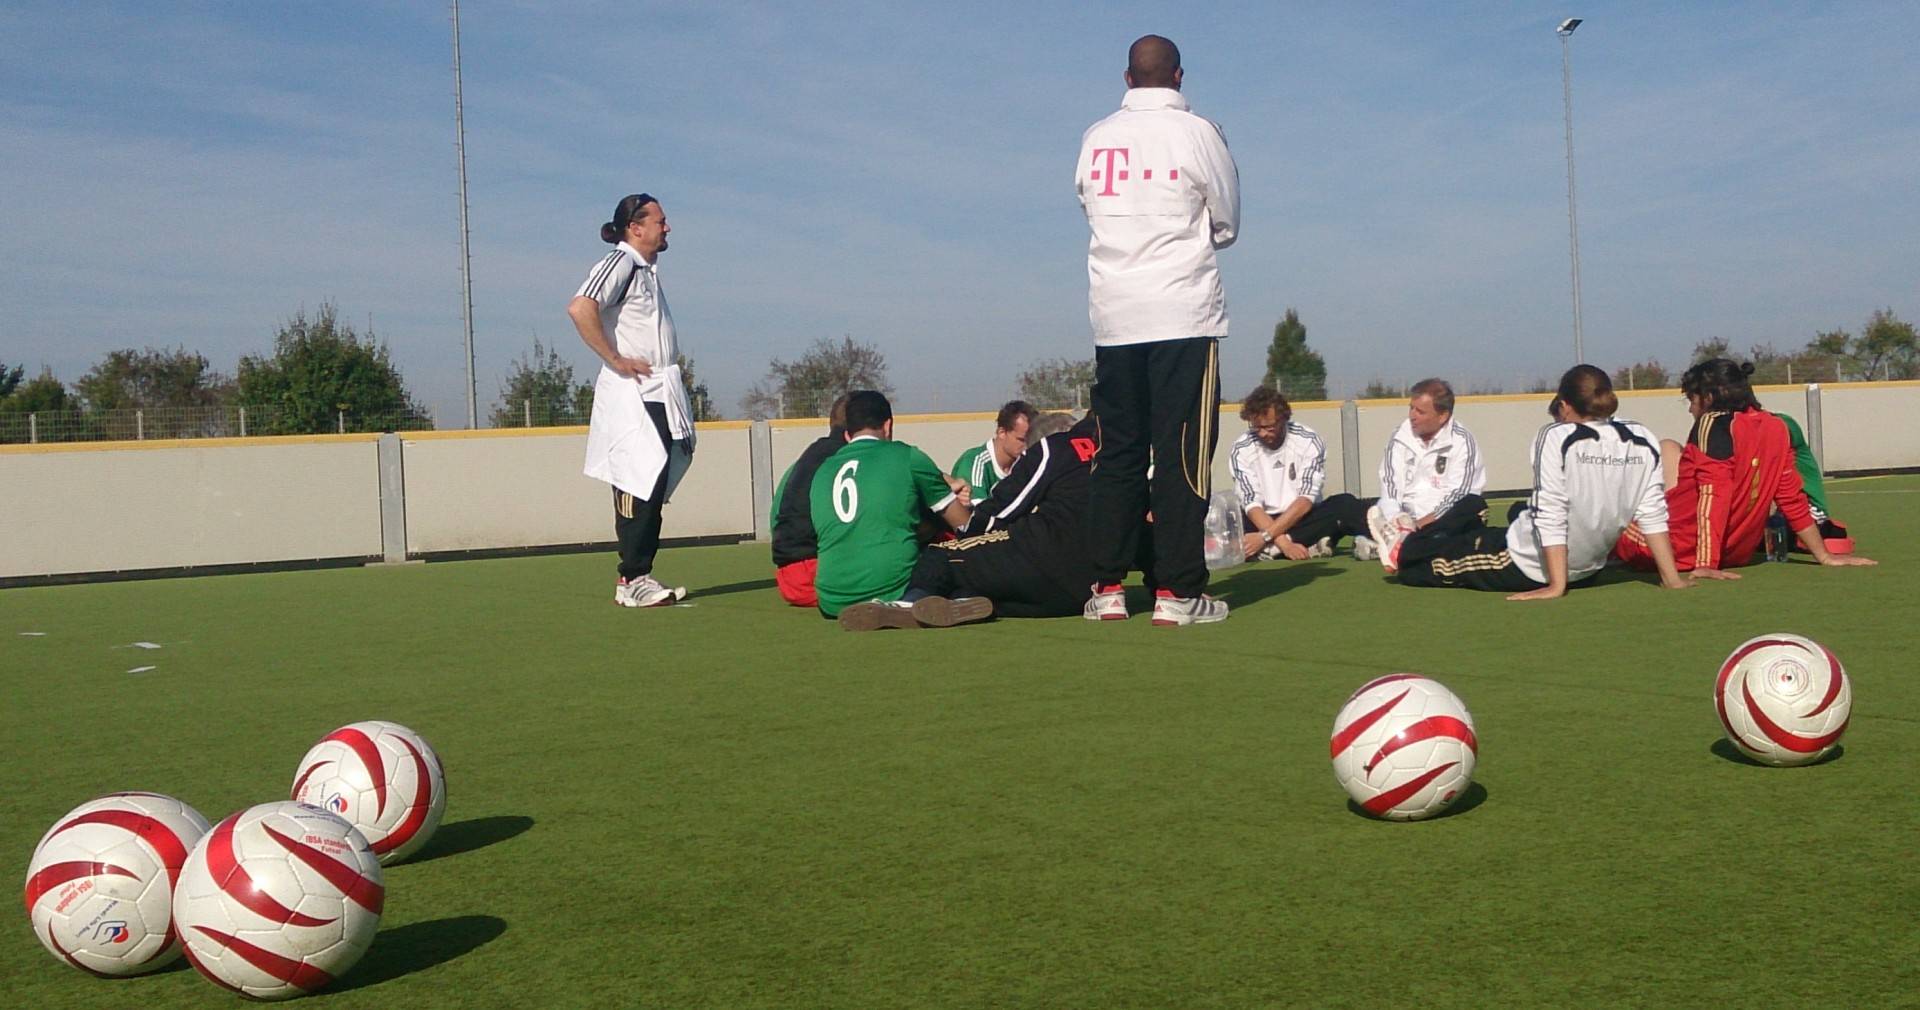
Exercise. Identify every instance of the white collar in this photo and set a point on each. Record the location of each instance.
(863, 438)
(635, 253)
(1155, 98)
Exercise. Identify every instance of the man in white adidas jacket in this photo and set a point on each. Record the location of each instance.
(1161, 194)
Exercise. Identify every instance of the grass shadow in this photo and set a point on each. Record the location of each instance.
(1725, 750)
(404, 950)
(1475, 795)
(468, 835)
(1257, 580)
(730, 588)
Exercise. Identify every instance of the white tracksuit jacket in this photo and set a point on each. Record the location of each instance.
(1161, 193)
(1589, 481)
(1423, 478)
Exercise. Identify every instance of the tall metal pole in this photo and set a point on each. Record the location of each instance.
(466, 257)
(1573, 219)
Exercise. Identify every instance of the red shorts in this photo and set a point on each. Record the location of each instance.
(796, 582)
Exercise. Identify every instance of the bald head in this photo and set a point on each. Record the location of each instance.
(1153, 62)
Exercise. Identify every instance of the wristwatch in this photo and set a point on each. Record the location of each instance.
(1267, 535)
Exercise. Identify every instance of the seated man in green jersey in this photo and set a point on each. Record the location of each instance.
(867, 499)
(986, 464)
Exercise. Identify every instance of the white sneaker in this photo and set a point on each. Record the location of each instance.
(646, 591)
(1364, 549)
(1322, 548)
(1170, 611)
(1108, 606)
(1387, 534)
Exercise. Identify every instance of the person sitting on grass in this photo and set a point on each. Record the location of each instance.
(867, 499)
(1737, 466)
(1280, 467)
(1594, 474)
(795, 548)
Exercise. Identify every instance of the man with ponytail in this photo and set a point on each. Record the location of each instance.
(640, 438)
(1738, 466)
(1592, 476)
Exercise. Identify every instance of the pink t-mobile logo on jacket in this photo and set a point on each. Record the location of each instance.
(1111, 174)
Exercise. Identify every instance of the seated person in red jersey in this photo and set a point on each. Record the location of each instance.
(1737, 466)
(795, 546)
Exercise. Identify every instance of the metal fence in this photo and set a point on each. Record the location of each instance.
(194, 422)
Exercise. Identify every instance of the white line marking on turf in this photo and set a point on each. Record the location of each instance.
(33, 634)
(142, 669)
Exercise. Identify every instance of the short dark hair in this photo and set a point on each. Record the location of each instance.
(837, 417)
(1152, 61)
(1015, 409)
(1263, 399)
(1723, 381)
(867, 410)
(1440, 390)
(624, 212)
(1589, 392)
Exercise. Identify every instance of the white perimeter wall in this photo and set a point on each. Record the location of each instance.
(107, 507)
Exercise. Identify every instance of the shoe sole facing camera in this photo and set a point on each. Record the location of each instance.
(875, 616)
(941, 612)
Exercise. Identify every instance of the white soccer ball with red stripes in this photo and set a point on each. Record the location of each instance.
(278, 900)
(383, 778)
(1403, 747)
(100, 886)
(1783, 699)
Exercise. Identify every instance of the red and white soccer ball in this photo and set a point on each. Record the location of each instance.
(1403, 747)
(383, 778)
(100, 886)
(278, 900)
(1783, 699)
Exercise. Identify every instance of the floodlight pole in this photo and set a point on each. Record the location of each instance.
(1573, 220)
(466, 258)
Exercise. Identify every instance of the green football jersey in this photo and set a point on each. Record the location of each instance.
(976, 467)
(867, 499)
(1809, 468)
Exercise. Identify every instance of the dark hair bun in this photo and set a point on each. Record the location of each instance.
(608, 233)
(1746, 368)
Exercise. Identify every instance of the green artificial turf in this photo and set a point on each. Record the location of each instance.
(735, 804)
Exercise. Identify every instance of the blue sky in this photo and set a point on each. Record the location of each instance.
(193, 173)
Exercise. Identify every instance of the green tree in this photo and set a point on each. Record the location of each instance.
(808, 385)
(1058, 383)
(1292, 367)
(10, 379)
(1887, 348)
(1824, 358)
(150, 378)
(1648, 374)
(1381, 389)
(319, 368)
(1708, 349)
(540, 386)
(703, 408)
(46, 396)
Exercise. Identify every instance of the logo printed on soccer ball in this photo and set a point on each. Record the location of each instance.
(267, 914)
(99, 889)
(1783, 699)
(383, 778)
(1404, 747)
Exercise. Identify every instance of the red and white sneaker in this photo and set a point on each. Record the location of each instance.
(1387, 534)
(1108, 603)
(1172, 611)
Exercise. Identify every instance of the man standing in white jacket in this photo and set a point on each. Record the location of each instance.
(1161, 194)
